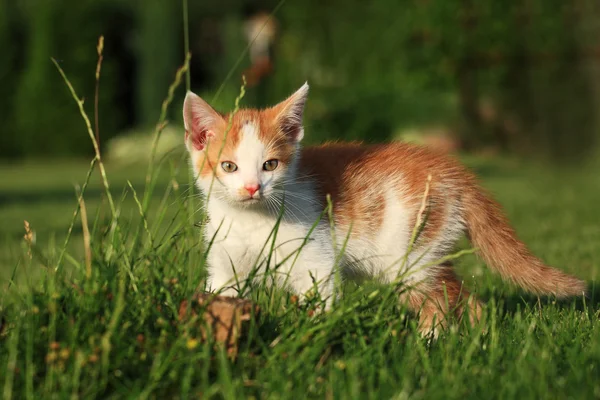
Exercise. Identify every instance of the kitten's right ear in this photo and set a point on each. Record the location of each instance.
(289, 114)
(201, 122)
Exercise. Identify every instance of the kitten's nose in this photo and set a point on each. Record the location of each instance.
(252, 188)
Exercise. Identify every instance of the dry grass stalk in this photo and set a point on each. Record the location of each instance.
(86, 238)
(29, 238)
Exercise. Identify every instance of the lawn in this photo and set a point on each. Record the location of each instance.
(110, 328)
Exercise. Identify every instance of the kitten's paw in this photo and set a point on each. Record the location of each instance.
(227, 292)
(430, 334)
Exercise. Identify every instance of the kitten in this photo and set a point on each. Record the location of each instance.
(254, 167)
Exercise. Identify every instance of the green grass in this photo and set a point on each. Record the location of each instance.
(119, 336)
(44, 194)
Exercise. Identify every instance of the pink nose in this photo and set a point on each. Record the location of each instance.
(252, 189)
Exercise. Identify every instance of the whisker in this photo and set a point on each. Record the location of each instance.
(300, 196)
(298, 208)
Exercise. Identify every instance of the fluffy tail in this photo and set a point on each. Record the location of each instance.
(500, 248)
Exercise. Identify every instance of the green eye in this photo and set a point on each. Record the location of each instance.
(228, 166)
(270, 165)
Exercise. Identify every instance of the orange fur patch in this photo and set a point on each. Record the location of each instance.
(225, 143)
(355, 176)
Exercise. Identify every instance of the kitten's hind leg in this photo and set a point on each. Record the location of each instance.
(438, 298)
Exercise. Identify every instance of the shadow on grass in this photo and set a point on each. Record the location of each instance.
(517, 302)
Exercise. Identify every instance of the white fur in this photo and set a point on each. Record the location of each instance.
(250, 154)
(384, 253)
(242, 236)
(387, 255)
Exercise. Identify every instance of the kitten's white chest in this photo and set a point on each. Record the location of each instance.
(249, 238)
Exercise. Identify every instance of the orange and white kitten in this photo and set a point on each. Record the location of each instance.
(256, 167)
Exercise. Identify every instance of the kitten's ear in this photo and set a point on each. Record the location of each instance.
(201, 122)
(290, 112)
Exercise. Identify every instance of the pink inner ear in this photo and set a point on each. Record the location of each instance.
(199, 118)
(199, 138)
(291, 128)
(198, 133)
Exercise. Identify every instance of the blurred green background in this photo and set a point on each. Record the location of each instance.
(519, 77)
(512, 87)
(500, 82)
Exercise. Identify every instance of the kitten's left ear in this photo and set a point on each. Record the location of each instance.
(289, 114)
(201, 122)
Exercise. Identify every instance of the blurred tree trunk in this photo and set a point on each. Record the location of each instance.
(466, 72)
(159, 55)
(565, 94)
(32, 108)
(468, 95)
(518, 97)
(590, 17)
(9, 143)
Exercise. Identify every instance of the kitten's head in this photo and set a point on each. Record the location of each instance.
(247, 162)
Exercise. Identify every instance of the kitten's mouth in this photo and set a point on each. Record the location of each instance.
(249, 200)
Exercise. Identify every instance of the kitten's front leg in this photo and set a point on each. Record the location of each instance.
(314, 267)
(222, 278)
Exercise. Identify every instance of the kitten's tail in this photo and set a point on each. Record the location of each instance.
(498, 245)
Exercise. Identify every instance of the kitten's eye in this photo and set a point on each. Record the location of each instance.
(228, 166)
(270, 165)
